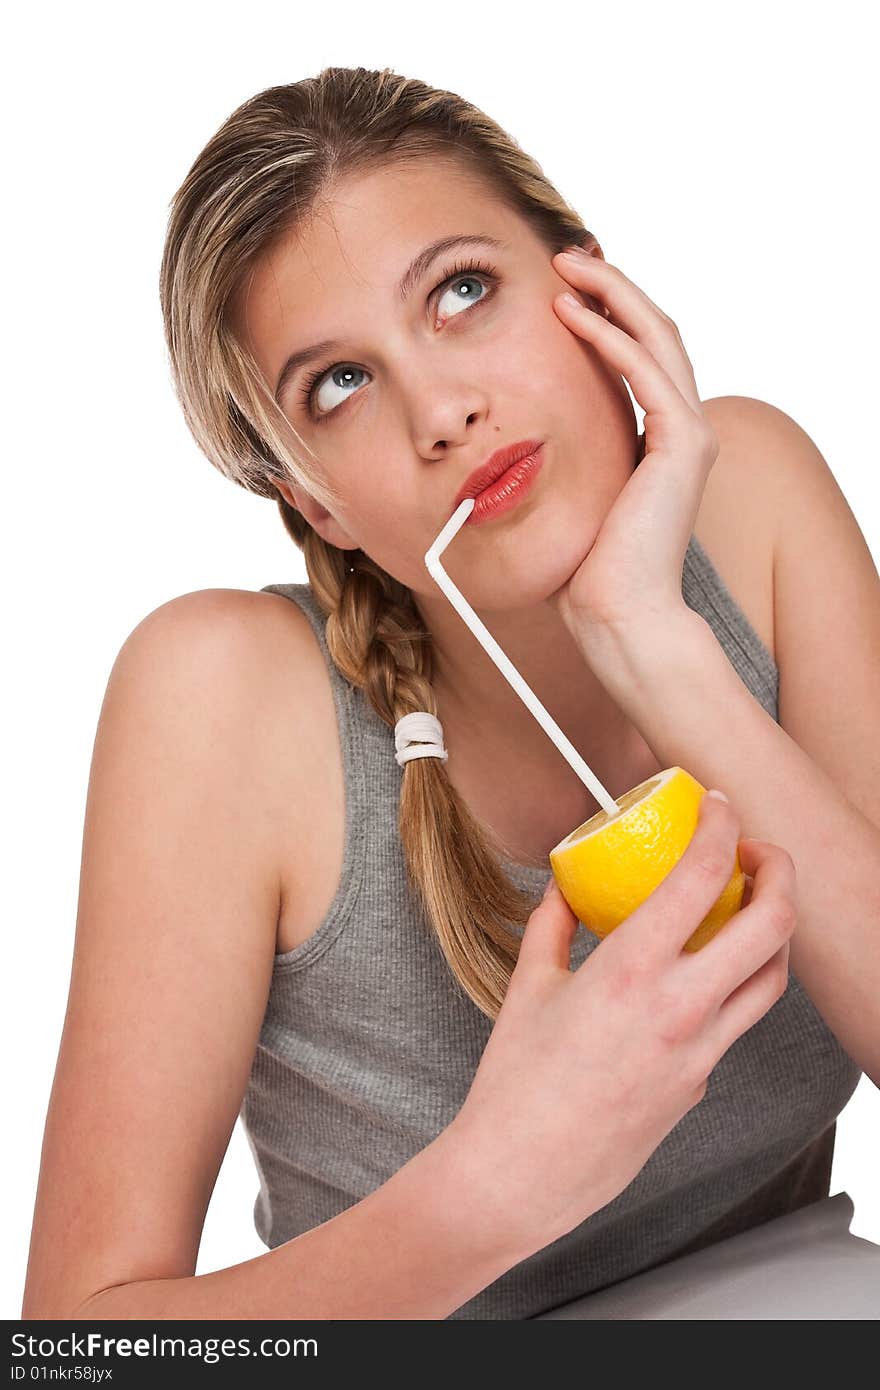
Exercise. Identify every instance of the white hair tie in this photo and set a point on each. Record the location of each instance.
(418, 735)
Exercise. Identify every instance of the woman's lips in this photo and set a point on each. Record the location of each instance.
(507, 490)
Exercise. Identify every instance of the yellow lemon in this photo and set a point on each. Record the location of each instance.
(609, 865)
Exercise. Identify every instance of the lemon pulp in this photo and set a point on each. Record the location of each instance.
(608, 866)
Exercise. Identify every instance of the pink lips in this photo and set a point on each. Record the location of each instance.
(507, 490)
(495, 465)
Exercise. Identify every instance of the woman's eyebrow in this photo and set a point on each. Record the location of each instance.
(418, 267)
(423, 261)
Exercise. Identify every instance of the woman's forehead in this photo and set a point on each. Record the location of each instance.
(372, 220)
(363, 236)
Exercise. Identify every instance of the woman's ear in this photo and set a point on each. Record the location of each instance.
(287, 493)
(318, 517)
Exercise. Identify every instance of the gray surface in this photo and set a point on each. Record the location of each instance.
(804, 1265)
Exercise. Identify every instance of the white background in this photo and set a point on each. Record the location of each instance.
(724, 157)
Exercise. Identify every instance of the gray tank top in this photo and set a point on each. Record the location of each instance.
(369, 1046)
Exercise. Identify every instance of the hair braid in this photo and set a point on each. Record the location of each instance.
(377, 641)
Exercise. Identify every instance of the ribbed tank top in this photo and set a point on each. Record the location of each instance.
(369, 1046)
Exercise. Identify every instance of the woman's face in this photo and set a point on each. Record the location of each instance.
(417, 393)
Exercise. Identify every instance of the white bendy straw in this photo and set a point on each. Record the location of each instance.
(504, 664)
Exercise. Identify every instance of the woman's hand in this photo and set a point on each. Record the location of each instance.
(633, 571)
(586, 1071)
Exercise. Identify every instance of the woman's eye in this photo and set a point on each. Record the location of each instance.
(454, 292)
(321, 399)
(321, 392)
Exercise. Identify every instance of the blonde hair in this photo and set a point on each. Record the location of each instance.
(256, 180)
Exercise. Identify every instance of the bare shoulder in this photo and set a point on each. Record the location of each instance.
(233, 619)
(736, 523)
(267, 641)
(233, 645)
(254, 658)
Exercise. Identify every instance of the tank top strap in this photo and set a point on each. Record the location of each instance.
(371, 780)
(303, 595)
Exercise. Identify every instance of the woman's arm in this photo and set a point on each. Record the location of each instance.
(692, 709)
(420, 1246)
(175, 937)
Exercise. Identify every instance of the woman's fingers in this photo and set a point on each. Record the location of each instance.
(745, 1006)
(758, 932)
(657, 930)
(549, 934)
(636, 317)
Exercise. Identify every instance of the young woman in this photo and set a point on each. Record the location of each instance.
(459, 1103)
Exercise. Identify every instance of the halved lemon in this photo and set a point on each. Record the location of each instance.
(609, 865)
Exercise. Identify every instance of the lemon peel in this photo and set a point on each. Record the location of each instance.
(610, 865)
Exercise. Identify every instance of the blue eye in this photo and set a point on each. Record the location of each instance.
(340, 374)
(457, 283)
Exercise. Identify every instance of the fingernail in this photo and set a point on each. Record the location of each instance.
(719, 796)
(573, 251)
(551, 880)
(570, 299)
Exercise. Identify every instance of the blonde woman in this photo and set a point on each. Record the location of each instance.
(300, 904)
